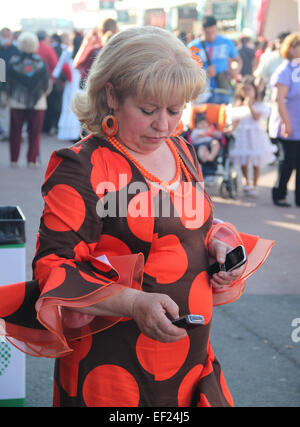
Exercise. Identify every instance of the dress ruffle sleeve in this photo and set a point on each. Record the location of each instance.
(257, 250)
(40, 323)
(39, 317)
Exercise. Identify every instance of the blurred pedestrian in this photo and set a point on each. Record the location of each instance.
(285, 119)
(252, 146)
(7, 51)
(48, 54)
(56, 43)
(28, 83)
(92, 45)
(218, 53)
(68, 124)
(267, 65)
(247, 54)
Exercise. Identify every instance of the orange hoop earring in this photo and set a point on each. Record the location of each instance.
(179, 129)
(110, 125)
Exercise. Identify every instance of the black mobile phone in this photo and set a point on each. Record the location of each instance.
(189, 321)
(234, 259)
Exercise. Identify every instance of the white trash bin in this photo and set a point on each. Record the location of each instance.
(12, 270)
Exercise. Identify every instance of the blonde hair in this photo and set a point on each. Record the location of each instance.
(142, 62)
(292, 40)
(28, 42)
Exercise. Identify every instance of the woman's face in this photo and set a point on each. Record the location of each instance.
(144, 126)
(295, 51)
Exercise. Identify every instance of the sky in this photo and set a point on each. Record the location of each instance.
(13, 10)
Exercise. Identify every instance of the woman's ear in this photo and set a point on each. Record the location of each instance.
(110, 95)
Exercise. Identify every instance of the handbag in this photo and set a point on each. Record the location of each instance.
(223, 83)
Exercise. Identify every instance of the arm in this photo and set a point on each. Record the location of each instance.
(151, 312)
(256, 116)
(221, 238)
(235, 66)
(279, 95)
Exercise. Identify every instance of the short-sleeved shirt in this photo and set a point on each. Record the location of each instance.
(220, 51)
(287, 74)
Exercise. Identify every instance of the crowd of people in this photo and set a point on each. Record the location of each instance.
(262, 77)
(43, 73)
(256, 74)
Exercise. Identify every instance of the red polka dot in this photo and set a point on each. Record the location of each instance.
(188, 385)
(53, 164)
(162, 360)
(57, 278)
(203, 402)
(140, 216)
(200, 297)
(12, 297)
(77, 149)
(111, 171)
(64, 209)
(110, 245)
(69, 364)
(91, 279)
(83, 250)
(110, 386)
(193, 209)
(167, 261)
(45, 265)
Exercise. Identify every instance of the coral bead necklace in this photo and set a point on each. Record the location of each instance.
(148, 175)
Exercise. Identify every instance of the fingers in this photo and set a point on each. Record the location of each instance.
(152, 313)
(222, 279)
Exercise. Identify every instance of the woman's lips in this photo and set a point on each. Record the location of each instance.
(156, 138)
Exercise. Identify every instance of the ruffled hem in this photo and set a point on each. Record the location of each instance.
(262, 159)
(41, 323)
(257, 250)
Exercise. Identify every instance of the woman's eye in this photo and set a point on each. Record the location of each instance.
(148, 113)
(173, 113)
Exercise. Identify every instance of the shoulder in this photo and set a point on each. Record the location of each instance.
(282, 74)
(222, 39)
(75, 158)
(194, 43)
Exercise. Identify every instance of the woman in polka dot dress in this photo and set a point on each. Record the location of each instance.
(125, 239)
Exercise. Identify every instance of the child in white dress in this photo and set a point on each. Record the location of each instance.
(252, 144)
(69, 127)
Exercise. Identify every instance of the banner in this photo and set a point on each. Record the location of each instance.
(262, 16)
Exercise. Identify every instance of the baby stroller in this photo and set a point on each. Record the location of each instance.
(221, 171)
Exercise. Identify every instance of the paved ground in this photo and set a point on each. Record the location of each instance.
(251, 337)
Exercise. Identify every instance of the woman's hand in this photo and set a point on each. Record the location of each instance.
(152, 313)
(286, 129)
(217, 251)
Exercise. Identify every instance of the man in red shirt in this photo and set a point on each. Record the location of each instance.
(54, 105)
(46, 51)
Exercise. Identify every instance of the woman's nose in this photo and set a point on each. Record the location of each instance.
(160, 122)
